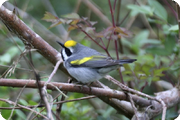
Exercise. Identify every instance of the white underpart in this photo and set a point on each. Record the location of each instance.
(84, 75)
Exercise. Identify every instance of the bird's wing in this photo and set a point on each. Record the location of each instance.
(94, 62)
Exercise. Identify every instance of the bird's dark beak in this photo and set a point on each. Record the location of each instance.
(61, 44)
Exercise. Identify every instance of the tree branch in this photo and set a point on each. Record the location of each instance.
(170, 97)
(65, 87)
(28, 36)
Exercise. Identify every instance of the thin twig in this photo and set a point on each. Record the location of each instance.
(44, 90)
(24, 107)
(58, 90)
(112, 13)
(164, 109)
(78, 99)
(91, 38)
(118, 12)
(127, 89)
(170, 7)
(17, 101)
(114, 6)
(54, 72)
(133, 106)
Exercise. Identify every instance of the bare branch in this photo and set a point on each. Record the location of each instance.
(169, 97)
(65, 87)
(29, 37)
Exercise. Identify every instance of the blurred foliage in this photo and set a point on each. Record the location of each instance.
(149, 34)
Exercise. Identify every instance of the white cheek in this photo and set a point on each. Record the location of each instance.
(64, 54)
(71, 49)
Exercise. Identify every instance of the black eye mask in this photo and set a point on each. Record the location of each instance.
(67, 51)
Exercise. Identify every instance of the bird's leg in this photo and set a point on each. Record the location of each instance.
(80, 84)
(89, 85)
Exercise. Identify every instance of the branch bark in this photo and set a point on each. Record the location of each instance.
(170, 97)
(66, 87)
(28, 36)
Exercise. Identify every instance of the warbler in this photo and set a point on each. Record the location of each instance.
(87, 65)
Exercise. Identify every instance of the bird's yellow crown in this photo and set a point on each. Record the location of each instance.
(70, 43)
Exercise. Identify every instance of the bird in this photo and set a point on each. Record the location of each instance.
(87, 65)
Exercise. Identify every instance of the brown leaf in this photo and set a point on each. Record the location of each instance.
(74, 22)
(49, 17)
(99, 35)
(55, 24)
(72, 27)
(122, 32)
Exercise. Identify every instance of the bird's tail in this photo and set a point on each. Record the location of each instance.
(124, 61)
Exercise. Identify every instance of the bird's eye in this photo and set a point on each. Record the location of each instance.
(68, 52)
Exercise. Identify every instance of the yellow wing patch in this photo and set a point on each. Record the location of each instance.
(85, 59)
(81, 61)
(70, 43)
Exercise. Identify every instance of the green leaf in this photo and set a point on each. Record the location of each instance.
(23, 102)
(6, 113)
(141, 37)
(86, 42)
(146, 68)
(157, 50)
(169, 44)
(152, 41)
(108, 112)
(146, 59)
(20, 114)
(157, 60)
(6, 57)
(71, 16)
(174, 28)
(13, 51)
(155, 78)
(158, 72)
(32, 102)
(127, 72)
(141, 9)
(127, 67)
(159, 10)
(142, 77)
(137, 67)
(138, 40)
(149, 79)
(156, 21)
(166, 49)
